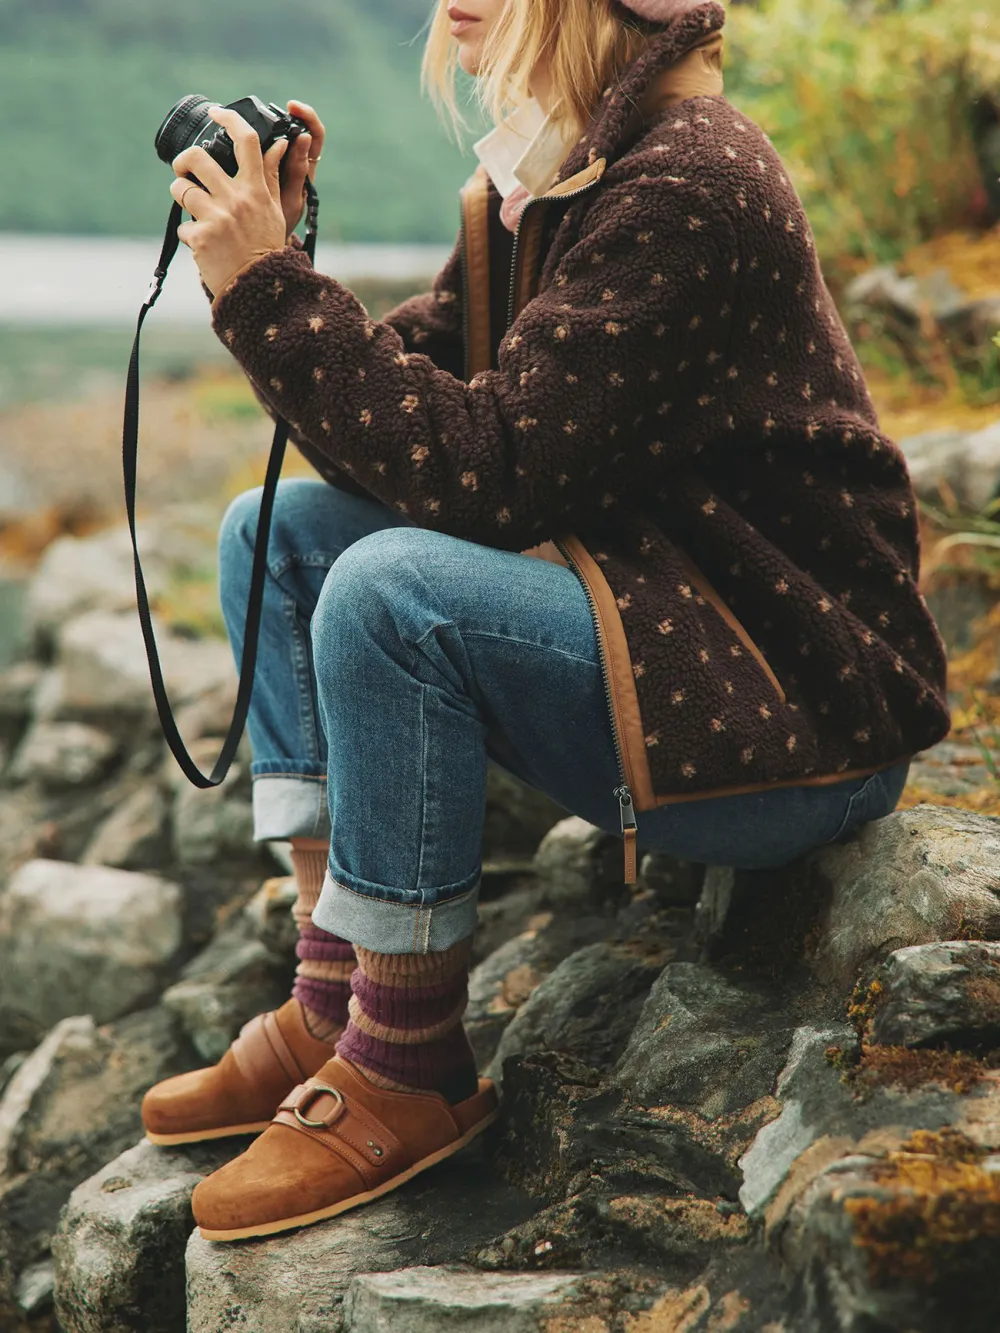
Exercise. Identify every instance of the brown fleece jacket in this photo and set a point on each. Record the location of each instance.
(680, 395)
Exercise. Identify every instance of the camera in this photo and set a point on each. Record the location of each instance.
(188, 123)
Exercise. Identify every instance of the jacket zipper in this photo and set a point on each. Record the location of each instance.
(622, 792)
(465, 295)
(541, 199)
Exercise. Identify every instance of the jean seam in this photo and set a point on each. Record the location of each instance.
(530, 643)
(406, 907)
(296, 560)
(299, 777)
(300, 663)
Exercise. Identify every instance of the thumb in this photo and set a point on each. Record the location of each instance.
(272, 167)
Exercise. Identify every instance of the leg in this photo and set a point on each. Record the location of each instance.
(313, 525)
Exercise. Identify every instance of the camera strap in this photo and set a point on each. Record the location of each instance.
(130, 449)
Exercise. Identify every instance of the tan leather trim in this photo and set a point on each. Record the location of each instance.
(621, 679)
(824, 780)
(697, 74)
(530, 237)
(547, 551)
(710, 595)
(475, 204)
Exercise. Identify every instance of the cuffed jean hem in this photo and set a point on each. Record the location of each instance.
(387, 927)
(289, 807)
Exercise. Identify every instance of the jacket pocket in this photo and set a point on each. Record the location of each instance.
(699, 581)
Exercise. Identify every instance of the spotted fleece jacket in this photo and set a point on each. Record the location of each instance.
(678, 407)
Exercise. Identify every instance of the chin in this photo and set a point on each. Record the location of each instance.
(469, 57)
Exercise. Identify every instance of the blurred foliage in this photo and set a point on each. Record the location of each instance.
(871, 106)
(96, 77)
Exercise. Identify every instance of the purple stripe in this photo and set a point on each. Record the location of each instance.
(317, 951)
(328, 999)
(311, 932)
(426, 1065)
(417, 1007)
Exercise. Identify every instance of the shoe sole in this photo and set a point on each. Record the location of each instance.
(203, 1135)
(356, 1200)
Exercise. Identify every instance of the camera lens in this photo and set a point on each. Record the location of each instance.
(183, 126)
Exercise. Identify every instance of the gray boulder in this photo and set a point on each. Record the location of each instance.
(296, 1283)
(517, 816)
(135, 836)
(703, 1043)
(213, 824)
(934, 994)
(222, 988)
(73, 1104)
(500, 985)
(85, 939)
(967, 462)
(119, 1250)
(579, 865)
(588, 1006)
(269, 913)
(63, 754)
(426, 1300)
(920, 875)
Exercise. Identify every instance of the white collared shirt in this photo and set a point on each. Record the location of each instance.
(527, 148)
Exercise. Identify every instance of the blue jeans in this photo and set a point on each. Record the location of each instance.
(395, 663)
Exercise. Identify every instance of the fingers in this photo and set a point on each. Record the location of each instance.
(192, 198)
(272, 168)
(246, 141)
(196, 162)
(317, 130)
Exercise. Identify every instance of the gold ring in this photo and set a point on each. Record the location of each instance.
(318, 1089)
(186, 193)
(314, 160)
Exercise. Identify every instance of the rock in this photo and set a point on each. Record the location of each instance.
(675, 883)
(213, 824)
(72, 1105)
(269, 913)
(579, 865)
(232, 980)
(296, 1283)
(63, 754)
(587, 1006)
(35, 1287)
(84, 939)
(135, 836)
(704, 1043)
(895, 1234)
(103, 666)
(934, 994)
(119, 1250)
(967, 462)
(18, 684)
(920, 875)
(517, 816)
(778, 1144)
(82, 574)
(425, 1300)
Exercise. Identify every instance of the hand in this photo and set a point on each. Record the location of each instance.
(302, 158)
(237, 219)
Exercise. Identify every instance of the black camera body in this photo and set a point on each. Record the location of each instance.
(189, 124)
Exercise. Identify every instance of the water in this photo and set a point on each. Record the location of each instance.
(100, 282)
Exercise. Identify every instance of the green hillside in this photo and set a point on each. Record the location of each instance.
(92, 79)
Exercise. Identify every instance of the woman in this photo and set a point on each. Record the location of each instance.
(609, 506)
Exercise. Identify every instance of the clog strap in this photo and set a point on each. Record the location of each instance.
(260, 1047)
(344, 1126)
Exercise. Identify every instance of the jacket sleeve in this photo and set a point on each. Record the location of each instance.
(538, 446)
(431, 323)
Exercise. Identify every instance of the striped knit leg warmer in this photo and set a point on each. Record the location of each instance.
(323, 977)
(405, 1030)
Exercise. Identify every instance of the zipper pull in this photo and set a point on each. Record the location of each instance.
(629, 832)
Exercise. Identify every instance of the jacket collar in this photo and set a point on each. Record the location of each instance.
(648, 83)
(527, 149)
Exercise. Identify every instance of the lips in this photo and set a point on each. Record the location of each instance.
(457, 15)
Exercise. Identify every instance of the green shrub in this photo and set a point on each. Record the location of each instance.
(870, 106)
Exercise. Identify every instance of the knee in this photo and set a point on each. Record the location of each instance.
(373, 591)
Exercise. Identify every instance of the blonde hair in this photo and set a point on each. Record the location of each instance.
(587, 42)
